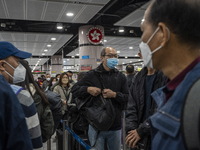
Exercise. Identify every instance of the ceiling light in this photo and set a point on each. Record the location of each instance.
(77, 54)
(130, 61)
(121, 29)
(131, 47)
(46, 50)
(126, 57)
(67, 59)
(69, 14)
(105, 40)
(118, 52)
(43, 53)
(59, 26)
(72, 56)
(53, 39)
(49, 45)
(39, 59)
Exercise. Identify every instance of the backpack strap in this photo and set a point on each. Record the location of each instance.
(16, 89)
(191, 118)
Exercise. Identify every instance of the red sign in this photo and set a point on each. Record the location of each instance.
(86, 67)
(95, 35)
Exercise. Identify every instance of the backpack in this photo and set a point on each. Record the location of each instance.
(45, 117)
(44, 114)
(190, 118)
(55, 106)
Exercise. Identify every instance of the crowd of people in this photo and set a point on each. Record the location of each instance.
(154, 99)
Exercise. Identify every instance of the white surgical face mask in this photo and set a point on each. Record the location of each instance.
(19, 73)
(48, 79)
(146, 51)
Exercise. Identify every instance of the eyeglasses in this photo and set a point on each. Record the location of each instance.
(112, 56)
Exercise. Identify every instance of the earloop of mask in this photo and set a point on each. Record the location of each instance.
(8, 74)
(153, 35)
(9, 65)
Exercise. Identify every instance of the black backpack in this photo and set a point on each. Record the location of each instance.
(191, 118)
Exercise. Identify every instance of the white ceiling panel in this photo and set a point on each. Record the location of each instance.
(35, 43)
(14, 10)
(50, 11)
(134, 18)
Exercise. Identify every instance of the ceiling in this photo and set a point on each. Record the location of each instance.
(31, 24)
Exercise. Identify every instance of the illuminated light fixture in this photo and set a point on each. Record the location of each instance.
(105, 40)
(59, 26)
(126, 57)
(43, 53)
(77, 54)
(69, 14)
(118, 52)
(72, 56)
(48, 45)
(121, 29)
(53, 39)
(131, 47)
(130, 61)
(46, 50)
(64, 61)
(39, 59)
(67, 59)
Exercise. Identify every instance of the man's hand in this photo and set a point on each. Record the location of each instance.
(132, 138)
(94, 91)
(107, 93)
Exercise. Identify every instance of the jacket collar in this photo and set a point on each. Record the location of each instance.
(101, 69)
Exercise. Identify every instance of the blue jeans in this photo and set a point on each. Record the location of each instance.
(98, 139)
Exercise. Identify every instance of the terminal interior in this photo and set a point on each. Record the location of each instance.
(49, 28)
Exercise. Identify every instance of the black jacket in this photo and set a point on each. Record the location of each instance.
(113, 80)
(136, 102)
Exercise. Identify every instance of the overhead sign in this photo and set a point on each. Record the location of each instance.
(95, 35)
(86, 57)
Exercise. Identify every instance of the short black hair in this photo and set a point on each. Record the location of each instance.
(181, 16)
(70, 72)
(130, 68)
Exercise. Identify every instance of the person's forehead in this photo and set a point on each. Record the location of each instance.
(65, 75)
(110, 50)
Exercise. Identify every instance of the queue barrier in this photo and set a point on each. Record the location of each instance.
(68, 134)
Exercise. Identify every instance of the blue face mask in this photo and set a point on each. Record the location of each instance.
(112, 62)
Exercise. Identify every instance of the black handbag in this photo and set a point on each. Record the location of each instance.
(98, 111)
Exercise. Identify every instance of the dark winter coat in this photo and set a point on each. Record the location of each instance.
(114, 80)
(136, 103)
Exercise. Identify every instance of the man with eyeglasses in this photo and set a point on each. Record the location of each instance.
(116, 89)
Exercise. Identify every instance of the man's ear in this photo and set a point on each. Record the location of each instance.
(164, 34)
(2, 68)
(101, 58)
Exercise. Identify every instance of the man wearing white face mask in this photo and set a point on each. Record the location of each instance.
(15, 73)
(115, 88)
(174, 25)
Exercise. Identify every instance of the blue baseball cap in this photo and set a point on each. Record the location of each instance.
(7, 49)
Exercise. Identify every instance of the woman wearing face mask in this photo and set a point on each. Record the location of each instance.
(52, 82)
(63, 89)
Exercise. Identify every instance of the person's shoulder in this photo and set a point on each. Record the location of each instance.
(25, 98)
